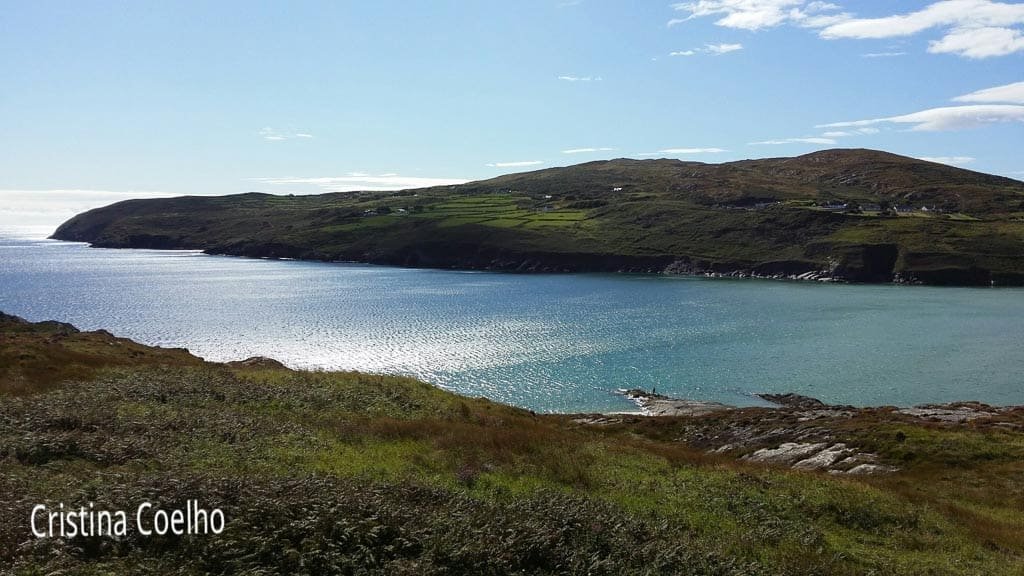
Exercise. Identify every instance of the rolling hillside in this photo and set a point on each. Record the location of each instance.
(853, 215)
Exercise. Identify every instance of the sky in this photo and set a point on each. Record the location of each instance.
(102, 101)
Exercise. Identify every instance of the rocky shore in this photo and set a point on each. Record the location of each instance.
(799, 432)
(654, 404)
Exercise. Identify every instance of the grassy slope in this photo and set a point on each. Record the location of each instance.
(352, 473)
(664, 210)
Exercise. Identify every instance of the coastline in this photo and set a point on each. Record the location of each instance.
(786, 271)
(654, 405)
(351, 462)
(800, 432)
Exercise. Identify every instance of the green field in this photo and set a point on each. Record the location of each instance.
(940, 225)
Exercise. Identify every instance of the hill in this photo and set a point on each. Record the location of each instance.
(855, 215)
(349, 473)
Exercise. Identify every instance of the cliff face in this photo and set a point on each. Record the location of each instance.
(849, 215)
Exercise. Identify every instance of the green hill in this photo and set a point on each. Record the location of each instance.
(856, 215)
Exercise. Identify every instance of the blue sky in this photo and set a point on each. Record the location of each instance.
(107, 100)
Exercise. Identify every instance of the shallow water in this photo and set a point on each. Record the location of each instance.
(546, 342)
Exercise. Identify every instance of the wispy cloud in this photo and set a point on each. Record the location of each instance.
(571, 78)
(517, 164)
(719, 49)
(356, 181)
(683, 151)
(807, 140)
(715, 49)
(758, 14)
(273, 134)
(1009, 93)
(969, 28)
(946, 118)
(848, 133)
(949, 118)
(950, 160)
(883, 54)
(586, 150)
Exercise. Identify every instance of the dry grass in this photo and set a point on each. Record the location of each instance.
(35, 358)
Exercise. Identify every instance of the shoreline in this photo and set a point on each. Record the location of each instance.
(799, 432)
(672, 269)
(652, 404)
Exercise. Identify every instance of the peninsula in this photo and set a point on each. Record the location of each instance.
(844, 215)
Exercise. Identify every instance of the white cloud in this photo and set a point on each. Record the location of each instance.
(692, 150)
(946, 118)
(979, 42)
(356, 181)
(951, 160)
(274, 134)
(955, 14)
(518, 164)
(758, 14)
(809, 140)
(586, 150)
(883, 54)
(570, 78)
(716, 49)
(1009, 93)
(847, 133)
(52, 207)
(683, 151)
(970, 28)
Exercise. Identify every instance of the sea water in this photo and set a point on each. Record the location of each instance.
(548, 342)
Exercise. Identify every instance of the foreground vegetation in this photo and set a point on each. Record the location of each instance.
(857, 215)
(348, 473)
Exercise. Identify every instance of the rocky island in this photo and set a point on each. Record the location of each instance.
(845, 215)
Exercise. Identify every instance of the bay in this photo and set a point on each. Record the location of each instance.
(553, 343)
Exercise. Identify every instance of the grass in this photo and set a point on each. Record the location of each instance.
(352, 473)
(498, 211)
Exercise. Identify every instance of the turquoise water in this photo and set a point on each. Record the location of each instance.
(547, 342)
